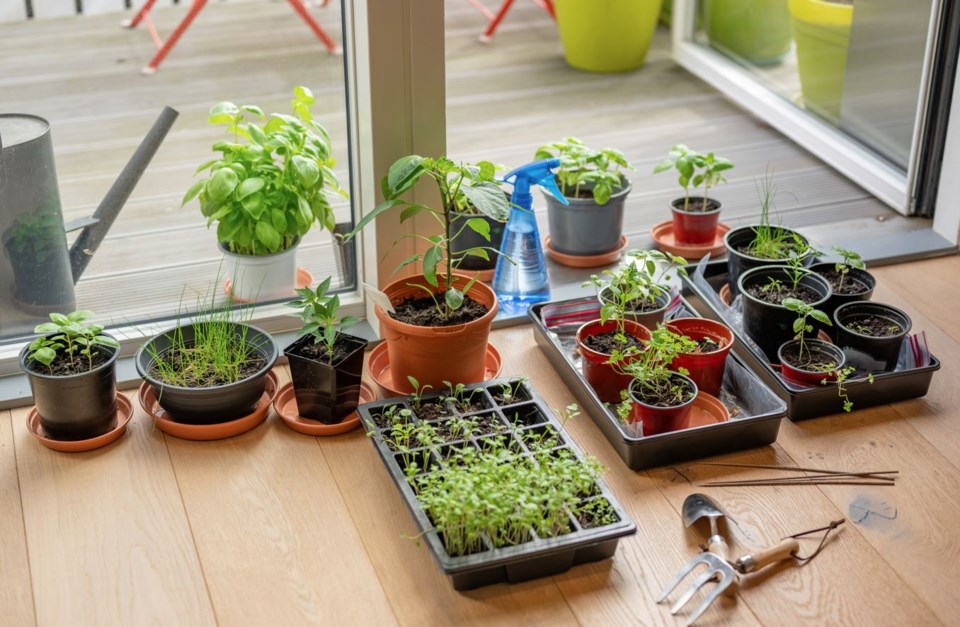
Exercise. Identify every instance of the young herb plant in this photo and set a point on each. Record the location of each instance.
(770, 241)
(801, 326)
(582, 167)
(474, 182)
(694, 169)
(655, 383)
(850, 260)
(268, 192)
(71, 339)
(418, 391)
(319, 312)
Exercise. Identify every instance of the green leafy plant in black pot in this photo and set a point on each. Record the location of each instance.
(325, 363)
(71, 370)
(695, 218)
(266, 192)
(595, 184)
(211, 368)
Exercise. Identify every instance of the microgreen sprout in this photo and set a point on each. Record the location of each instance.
(418, 391)
(460, 395)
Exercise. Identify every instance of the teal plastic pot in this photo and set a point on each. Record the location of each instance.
(606, 35)
(822, 31)
(756, 31)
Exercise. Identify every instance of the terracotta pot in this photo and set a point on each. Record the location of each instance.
(706, 370)
(436, 354)
(603, 377)
(799, 376)
(695, 227)
(662, 419)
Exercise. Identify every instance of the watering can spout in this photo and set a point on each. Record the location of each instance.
(96, 226)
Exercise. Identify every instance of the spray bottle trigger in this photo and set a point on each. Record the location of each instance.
(549, 183)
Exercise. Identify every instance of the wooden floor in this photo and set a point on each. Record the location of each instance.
(504, 99)
(276, 528)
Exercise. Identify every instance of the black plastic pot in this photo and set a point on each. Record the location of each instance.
(467, 238)
(860, 277)
(771, 325)
(74, 407)
(738, 262)
(885, 350)
(326, 392)
(214, 404)
(537, 557)
(649, 319)
(585, 228)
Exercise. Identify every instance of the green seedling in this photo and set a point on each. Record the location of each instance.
(68, 336)
(460, 395)
(319, 312)
(582, 167)
(850, 260)
(418, 391)
(773, 285)
(801, 326)
(694, 169)
(650, 370)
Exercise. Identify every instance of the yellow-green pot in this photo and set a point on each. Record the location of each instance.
(756, 31)
(822, 32)
(606, 35)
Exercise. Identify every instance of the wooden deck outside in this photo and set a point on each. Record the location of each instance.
(503, 101)
(276, 528)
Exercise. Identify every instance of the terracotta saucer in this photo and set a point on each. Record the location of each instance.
(707, 410)
(586, 261)
(216, 431)
(285, 403)
(124, 413)
(379, 368)
(665, 240)
(304, 279)
(727, 297)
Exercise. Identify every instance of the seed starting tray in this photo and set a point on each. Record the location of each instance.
(524, 413)
(755, 410)
(809, 402)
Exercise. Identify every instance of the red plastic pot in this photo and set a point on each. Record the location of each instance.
(662, 419)
(798, 376)
(603, 377)
(706, 369)
(695, 227)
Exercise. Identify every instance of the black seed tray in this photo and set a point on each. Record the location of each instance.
(810, 402)
(755, 410)
(525, 414)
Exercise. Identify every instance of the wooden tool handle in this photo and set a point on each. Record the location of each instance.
(775, 553)
(718, 546)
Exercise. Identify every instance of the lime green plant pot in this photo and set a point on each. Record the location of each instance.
(666, 12)
(606, 35)
(756, 31)
(822, 31)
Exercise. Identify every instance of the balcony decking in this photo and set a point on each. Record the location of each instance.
(504, 99)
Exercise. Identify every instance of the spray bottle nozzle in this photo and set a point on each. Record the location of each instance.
(536, 173)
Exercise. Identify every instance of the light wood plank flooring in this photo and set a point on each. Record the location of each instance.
(504, 99)
(275, 528)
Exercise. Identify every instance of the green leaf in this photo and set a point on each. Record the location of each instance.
(279, 219)
(222, 184)
(602, 192)
(798, 325)
(403, 175)
(406, 262)
(268, 236)
(249, 186)
(105, 340)
(663, 166)
(370, 217)
(254, 205)
(304, 95)
(481, 226)
(820, 316)
(47, 328)
(454, 298)
(256, 134)
(223, 113)
(45, 355)
(489, 200)
(257, 111)
(195, 189)
(80, 315)
(307, 170)
(306, 211)
(430, 261)
(411, 210)
(59, 318)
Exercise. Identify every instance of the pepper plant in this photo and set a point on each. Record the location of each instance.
(582, 166)
(268, 192)
(475, 182)
(694, 169)
(319, 312)
(70, 337)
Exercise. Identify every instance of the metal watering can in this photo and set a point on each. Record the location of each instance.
(37, 269)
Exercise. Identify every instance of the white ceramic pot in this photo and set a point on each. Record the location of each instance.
(262, 277)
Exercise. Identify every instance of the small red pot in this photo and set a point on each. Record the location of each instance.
(792, 374)
(706, 370)
(601, 376)
(662, 419)
(698, 227)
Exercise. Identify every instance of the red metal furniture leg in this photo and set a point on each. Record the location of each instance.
(496, 18)
(171, 41)
(321, 34)
(144, 10)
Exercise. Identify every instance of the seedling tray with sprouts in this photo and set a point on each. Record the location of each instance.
(491, 444)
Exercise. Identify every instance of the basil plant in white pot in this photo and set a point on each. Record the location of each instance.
(269, 187)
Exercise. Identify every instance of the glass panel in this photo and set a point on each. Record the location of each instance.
(855, 66)
(82, 74)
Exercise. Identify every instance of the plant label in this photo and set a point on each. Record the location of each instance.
(378, 298)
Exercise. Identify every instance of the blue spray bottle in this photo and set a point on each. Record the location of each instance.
(524, 282)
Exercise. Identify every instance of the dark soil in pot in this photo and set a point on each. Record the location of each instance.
(872, 328)
(739, 258)
(179, 360)
(423, 312)
(326, 389)
(817, 363)
(776, 296)
(74, 405)
(660, 413)
(607, 342)
(857, 286)
(431, 410)
(765, 320)
(696, 205)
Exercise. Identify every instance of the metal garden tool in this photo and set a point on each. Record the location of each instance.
(719, 568)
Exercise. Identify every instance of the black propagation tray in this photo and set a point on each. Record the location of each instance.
(808, 402)
(755, 410)
(539, 557)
